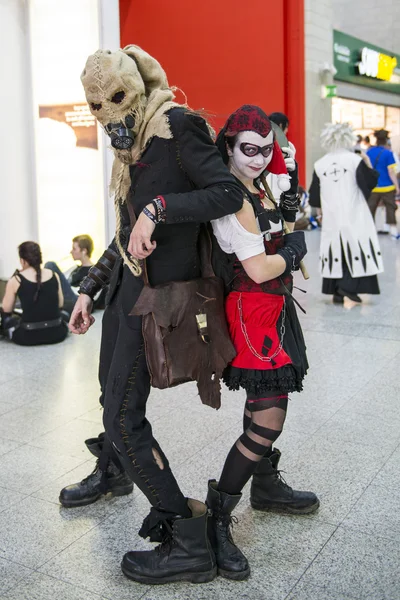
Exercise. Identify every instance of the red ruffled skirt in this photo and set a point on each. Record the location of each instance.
(266, 333)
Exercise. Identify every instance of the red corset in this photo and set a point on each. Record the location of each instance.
(243, 283)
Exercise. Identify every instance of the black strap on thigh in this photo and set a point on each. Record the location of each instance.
(265, 432)
(264, 403)
(254, 447)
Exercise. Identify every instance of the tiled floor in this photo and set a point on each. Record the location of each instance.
(342, 440)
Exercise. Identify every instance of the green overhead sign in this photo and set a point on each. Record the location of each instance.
(364, 64)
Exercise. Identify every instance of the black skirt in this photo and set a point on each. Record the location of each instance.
(285, 379)
(353, 285)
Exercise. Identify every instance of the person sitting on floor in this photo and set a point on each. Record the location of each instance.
(82, 249)
(39, 291)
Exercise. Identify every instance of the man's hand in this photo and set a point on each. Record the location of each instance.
(81, 318)
(140, 244)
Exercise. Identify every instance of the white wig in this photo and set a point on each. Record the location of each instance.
(336, 136)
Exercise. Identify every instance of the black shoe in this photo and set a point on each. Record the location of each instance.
(113, 480)
(184, 555)
(338, 299)
(96, 485)
(231, 562)
(270, 492)
(350, 295)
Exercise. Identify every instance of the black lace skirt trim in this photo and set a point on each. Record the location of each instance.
(285, 380)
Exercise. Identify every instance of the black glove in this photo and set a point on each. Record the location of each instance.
(289, 206)
(290, 200)
(294, 250)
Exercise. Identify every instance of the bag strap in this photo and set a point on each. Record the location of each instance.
(377, 158)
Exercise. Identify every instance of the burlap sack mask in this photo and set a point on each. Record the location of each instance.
(125, 89)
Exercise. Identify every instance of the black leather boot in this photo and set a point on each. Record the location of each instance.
(184, 555)
(270, 492)
(231, 562)
(114, 480)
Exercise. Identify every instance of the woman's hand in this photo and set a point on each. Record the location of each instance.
(81, 317)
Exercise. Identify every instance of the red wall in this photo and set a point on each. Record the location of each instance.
(224, 53)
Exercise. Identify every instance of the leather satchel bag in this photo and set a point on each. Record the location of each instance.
(185, 331)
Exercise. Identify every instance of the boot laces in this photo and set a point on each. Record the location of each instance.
(94, 472)
(228, 522)
(168, 542)
(280, 480)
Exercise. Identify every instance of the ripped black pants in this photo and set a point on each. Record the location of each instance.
(125, 389)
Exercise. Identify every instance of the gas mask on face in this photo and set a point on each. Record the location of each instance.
(121, 134)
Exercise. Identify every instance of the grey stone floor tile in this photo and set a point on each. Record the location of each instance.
(94, 415)
(9, 497)
(336, 326)
(27, 390)
(389, 475)
(349, 425)
(8, 445)
(377, 398)
(358, 565)
(69, 439)
(389, 374)
(42, 587)
(377, 513)
(337, 473)
(27, 469)
(40, 422)
(10, 574)
(311, 592)
(31, 520)
(6, 407)
(381, 332)
(93, 561)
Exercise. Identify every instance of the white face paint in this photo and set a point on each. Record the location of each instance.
(249, 167)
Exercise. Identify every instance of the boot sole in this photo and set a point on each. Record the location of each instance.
(119, 491)
(234, 575)
(204, 577)
(279, 508)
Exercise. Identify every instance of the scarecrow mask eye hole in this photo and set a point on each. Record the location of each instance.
(95, 106)
(118, 97)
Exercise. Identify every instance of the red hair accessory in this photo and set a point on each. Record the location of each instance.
(248, 118)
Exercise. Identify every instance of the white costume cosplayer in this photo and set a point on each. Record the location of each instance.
(350, 256)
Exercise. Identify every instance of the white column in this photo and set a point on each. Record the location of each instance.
(17, 202)
(109, 40)
(318, 51)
